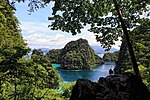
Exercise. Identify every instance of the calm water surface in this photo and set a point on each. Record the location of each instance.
(95, 74)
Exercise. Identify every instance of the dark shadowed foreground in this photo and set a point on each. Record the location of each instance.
(114, 87)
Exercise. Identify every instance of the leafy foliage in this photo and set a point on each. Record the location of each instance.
(12, 45)
(141, 43)
(12, 49)
(100, 15)
(54, 55)
(76, 14)
(49, 75)
(140, 40)
(20, 78)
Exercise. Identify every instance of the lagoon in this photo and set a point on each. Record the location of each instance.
(94, 74)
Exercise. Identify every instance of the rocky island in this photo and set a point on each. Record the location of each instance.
(111, 56)
(76, 55)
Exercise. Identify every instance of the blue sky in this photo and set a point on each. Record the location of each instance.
(37, 34)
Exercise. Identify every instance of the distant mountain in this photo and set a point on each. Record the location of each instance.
(100, 50)
(113, 50)
(111, 56)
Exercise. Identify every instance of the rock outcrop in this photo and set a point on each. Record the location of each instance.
(111, 56)
(114, 87)
(76, 55)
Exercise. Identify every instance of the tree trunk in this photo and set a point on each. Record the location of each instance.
(130, 48)
(15, 84)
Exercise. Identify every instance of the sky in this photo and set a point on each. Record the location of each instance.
(36, 33)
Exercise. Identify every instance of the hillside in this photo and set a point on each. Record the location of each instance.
(100, 50)
(111, 56)
(75, 55)
(54, 55)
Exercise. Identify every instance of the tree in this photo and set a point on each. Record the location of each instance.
(12, 45)
(108, 19)
(50, 78)
(17, 74)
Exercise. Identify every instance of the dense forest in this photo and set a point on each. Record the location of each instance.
(20, 78)
(34, 78)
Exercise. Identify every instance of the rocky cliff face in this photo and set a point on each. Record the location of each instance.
(111, 56)
(114, 87)
(75, 55)
(78, 55)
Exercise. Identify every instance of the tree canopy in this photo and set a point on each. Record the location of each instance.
(21, 78)
(12, 45)
(100, 15)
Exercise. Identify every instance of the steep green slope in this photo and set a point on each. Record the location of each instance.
(54, 55)
(75, 55)
(141, 42)
(111, 56)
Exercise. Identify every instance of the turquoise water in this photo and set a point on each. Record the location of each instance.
(94, 75)
(56, 66)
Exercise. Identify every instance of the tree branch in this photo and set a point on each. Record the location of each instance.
(10, 4)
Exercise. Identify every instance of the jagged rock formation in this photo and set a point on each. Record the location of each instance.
(122, 58)
(141, 44)
(114, 87)
(75, 55)
(111, 56)
(78, 55)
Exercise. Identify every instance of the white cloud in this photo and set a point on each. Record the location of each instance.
(45, 41)
(38, 35)
(117, 44)
(33, 27)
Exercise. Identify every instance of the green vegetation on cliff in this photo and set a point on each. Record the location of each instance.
(20, 78)
(111, 56)
(141, 43)
(75, 55)
(50, 77)
(54, 55)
